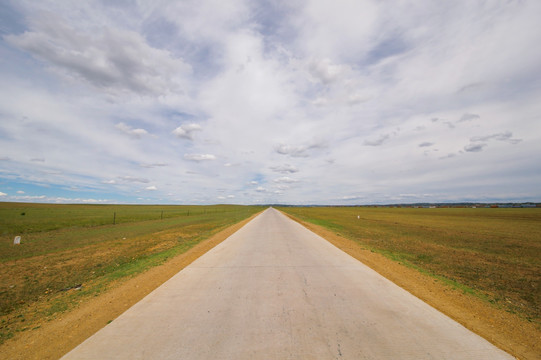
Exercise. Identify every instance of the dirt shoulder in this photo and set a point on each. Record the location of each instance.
(505, 330)
(55, 338)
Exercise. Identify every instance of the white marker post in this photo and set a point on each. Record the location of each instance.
(17, 240)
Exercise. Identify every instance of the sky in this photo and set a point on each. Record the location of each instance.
(255, 102)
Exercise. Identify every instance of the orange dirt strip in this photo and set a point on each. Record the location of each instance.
(505, 330)
(55, 338)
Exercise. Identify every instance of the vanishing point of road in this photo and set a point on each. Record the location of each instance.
(275, 290)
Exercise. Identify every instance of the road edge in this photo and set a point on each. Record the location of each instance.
(59, 336)
(504, 330)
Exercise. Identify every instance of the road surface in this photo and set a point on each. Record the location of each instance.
(275, 290)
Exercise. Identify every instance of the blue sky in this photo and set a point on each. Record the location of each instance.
(299, 102)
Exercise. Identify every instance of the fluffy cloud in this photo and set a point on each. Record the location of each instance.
(325, 71)
(151, 166)
(136, 133)
(133, 179)
(57, 199)
(377, 142)
(199, 157)
(87, 78)
(468, 117)
(284, 169)
(474, 147)
(294, 151)
(351, 197)
(110, 58)
(186, 131)
(299, 150)
(504, 136)
(151, 188)
(221, 197)
(285, 180)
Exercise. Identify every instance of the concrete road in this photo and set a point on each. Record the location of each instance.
(275, 290)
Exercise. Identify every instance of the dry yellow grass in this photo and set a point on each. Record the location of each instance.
(54, 271)
(501, 324)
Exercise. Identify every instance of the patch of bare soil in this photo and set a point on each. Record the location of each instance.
(512, 334)
(57, 337)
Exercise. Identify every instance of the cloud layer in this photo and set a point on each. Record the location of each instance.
(250, 102)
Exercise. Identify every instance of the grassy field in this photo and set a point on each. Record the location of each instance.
(494, 254)
(70, 252)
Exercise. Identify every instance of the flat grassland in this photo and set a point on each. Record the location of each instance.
(70, 253)
(491, 254)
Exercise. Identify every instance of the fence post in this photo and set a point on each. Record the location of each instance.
(114, 218)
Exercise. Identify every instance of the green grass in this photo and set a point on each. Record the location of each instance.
(494, 254)
(49, 228)
(26, 218)
(66, 245)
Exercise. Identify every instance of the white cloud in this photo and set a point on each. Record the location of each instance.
(2, 194)
(57, 199)
(504, 136)
(106, 57)
(474, 147)
(284, 169)
(325, 71)
(351, 197)
(199, 157)
(152, 188)
(285, 180)
(154, 165)
(333, 31)
(448, 156)
(377, 142)
(131, 179)
(294, 151)
(20, 192)
(354, 99)
(221, 197)
(391, 93)
(468, 117)
(299, 150)
(186, 131)
(136, 133)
